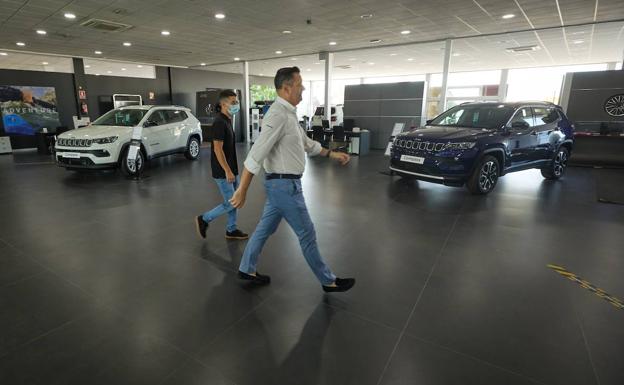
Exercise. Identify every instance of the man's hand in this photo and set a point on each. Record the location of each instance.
(341, 157)
(238, 199)
(230, 177)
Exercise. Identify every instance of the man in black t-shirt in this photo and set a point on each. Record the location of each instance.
(224, 166)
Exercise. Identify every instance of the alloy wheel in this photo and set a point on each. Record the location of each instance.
(488, 176)
(194, 148)
(561, 162)
(134, 165)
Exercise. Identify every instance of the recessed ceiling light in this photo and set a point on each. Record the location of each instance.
(139, 66)
(293, 58)
(410, 59)
(203, 64)
(509, 16)
(123, 69)
(261, 74)
(309, 69)
(87, 66)
(41, 32)
(97, 74)
(97, 52)
(332, 43)
(278, 52)
(220, 16)
(286, 31)
(406, 32)
(371, 63)
(45, 63)
(127, 44)
(109, 72)
(375, 41)
(69, 15)
(578, 41)
(393, 54)
(21, 44)
(367, 16)
(456, 54)
(165, 33)
(4, 54)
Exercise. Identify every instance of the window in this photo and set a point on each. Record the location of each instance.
(174, 116)
(545, 115)
(121, 117)
(158, 117)
(475, 116)
(523, 115)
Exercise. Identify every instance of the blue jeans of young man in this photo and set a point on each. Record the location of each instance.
(227, 190)
(285, 200)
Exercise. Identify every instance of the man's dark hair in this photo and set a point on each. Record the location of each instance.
(222, 96)
(285, 75)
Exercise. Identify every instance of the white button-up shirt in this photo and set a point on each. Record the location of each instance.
(282, 144)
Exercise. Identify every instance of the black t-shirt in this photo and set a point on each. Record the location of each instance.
(222, 130)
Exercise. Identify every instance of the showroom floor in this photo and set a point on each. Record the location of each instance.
(103, 280)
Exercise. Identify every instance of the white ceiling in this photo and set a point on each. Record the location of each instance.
(252, 30)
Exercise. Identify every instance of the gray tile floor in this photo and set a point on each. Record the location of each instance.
(104, 281)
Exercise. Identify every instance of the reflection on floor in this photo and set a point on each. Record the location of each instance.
(104, 281)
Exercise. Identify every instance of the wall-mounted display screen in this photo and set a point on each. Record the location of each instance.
(28, 110)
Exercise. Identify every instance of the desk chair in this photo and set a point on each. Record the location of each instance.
(339, 141)
(349, 124)
(318, 134)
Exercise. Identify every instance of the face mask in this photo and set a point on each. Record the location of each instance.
(234, 109)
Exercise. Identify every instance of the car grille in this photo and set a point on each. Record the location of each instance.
(417, 145)
(70, 142)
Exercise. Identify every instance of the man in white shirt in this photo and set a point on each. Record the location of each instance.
(280, 150)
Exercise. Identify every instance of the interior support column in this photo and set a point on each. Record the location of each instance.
(502, 85)
(329, 65)
(445, 73)
(247, 103)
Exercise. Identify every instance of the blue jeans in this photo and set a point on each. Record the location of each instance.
(285, 200)
(227, 190)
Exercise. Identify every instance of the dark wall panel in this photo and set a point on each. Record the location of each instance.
(598, 79)
(394, 108)
(361, 108)
(64, 85)
(363, 92)
(402, 90)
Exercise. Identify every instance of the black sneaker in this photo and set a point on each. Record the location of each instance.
(342, 284)
(201, 225)
(236, 234)
(258, 278)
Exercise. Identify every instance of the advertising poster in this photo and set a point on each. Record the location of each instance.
(28, 110)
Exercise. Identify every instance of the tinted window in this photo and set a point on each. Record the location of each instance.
(545, 115)
(471, 116)
(523, 115)
(124, 118)
(157, 117)
(174, 116)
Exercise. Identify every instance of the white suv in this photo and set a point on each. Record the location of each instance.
(104, 143)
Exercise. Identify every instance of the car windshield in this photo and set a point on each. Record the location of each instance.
(121, 117)
(479, 116)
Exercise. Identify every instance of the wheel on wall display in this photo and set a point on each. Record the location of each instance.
(614, 106)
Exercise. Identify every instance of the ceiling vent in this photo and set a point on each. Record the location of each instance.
(525, 48)
(106, 25)
(343, 67)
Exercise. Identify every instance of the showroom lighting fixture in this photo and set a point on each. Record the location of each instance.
(97, 52)
(165, 33)
(45, 63)
(236, 59)
(375, 41)
(393, 54)
(41, 32)
(139, 66)
(109, 72)
(370, 63)
(87, 66)
(4, 54)
(309, 69)
(127, 44)
(278, 52)
(367, 16)
(317, 63)
(410, 59)
(332, 43)
(220, 16)
(406, 32)
(509, 16)
(456, 54)
(202, 64)
(293, 58)
(97, 74)
(123, 69)
(20, 44)
(286, 32)
(69, 15)
(578, 41)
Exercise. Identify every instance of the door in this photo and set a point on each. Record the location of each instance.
(178, 129)
(546, 132)
(156, 133)
(522, 141)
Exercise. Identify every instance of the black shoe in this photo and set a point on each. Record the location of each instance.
(258, 278)
(342, 284)
(201, 225)
(236, 234)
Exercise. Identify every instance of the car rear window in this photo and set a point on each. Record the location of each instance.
(491, 117)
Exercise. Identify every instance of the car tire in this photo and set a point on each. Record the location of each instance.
(193, 149)
(557, 166)
(485, 176)
(127, 166)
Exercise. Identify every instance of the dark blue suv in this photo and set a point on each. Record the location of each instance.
(476, 143)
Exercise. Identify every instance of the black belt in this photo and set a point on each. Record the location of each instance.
(282, 176)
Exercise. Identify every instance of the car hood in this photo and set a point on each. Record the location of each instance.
(447, 133)
(93, 132)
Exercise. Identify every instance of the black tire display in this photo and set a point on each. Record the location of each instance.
(193, 149)
(485, 176)
(130, 167)
(557, 166)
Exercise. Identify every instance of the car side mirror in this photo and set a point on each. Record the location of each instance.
(150, 123)
(520, 125)
(429, 121)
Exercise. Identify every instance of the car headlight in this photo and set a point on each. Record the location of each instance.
(460, 146)
(107, 140)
